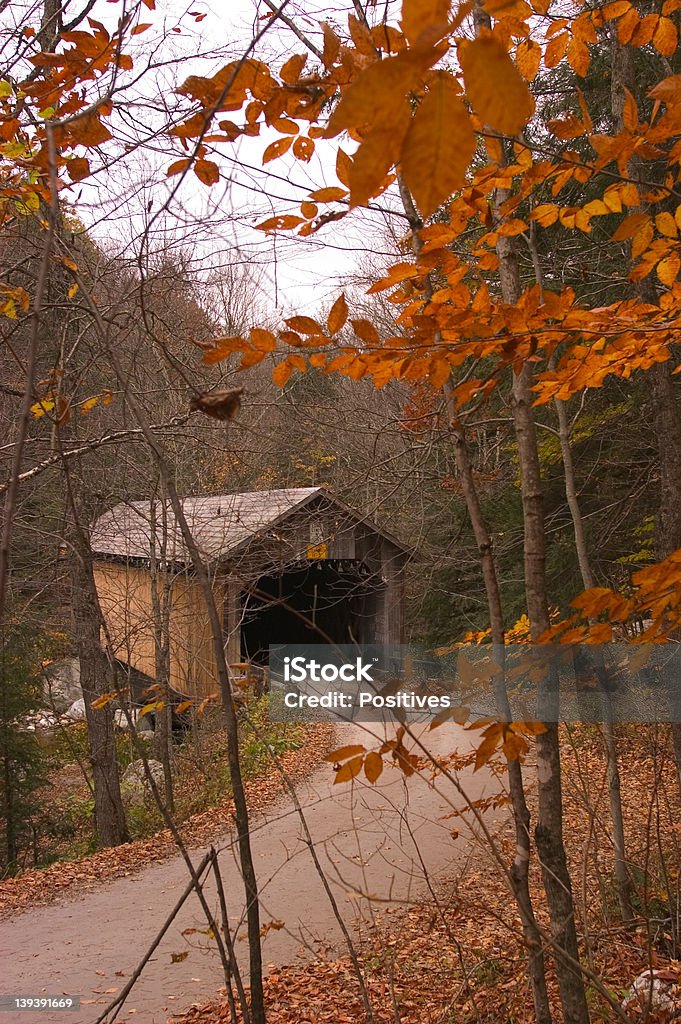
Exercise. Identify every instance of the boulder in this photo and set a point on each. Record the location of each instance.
(141, 722)
(62, 684)
(655, 996)
(76, 713)
(134, 785)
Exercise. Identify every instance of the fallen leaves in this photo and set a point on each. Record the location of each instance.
(60, 880)
(462, 958)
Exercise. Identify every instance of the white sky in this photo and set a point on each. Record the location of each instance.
(215, 226)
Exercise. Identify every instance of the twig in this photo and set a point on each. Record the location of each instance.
(296, 31)
(235, 972)
(114, 438)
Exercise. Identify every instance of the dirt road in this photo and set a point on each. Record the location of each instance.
(370, 839)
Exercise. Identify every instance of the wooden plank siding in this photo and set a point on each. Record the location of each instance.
(125, 598)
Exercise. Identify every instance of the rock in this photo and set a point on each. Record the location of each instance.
(76, 713)
(141, 722)
(655, 995)
(62, 684)
(134, 785)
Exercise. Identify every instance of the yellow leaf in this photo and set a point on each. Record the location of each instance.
(596, 208)
(264, 341)
(386, 38)
(366, 331)
(281, 373)
(298, 362)
(343, 164)
(627, 25)
(178, 167)
(668, 269)
(555, 50)
(331, 44)
(373, 766)
(645, 30)
(78, 168)
(155, 705)
(285, 126)
(73, 291)
(103, 700)
(629, 193)
(361, 37)
(349, 770)
(629, 111)
(39, 409)
(494, 85)
(338, 315)
(277, 148)
(183, 706)
(530, 728)
(303, 148)
(342, 753)
(668, 90)
(221, 348)
(545, 214)
(528, 57)
(304, 325)
(284, 223)
(439, 145)
(207, 172)
(290, 72)
(89, 404)
(666, 225)
(377, 154)
(578, 56)
(424, 18)
(378, 94)
(251, 357)
(630, 226)
(329, 195)
(665, 37)
(615, 9)
(492, 737)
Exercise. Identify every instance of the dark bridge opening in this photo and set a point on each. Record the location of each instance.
(331, 601)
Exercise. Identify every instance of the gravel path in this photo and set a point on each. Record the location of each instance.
(366, 837)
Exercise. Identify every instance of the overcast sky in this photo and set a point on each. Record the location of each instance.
(215, 227)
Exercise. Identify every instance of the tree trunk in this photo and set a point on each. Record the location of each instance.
(160, 610)
(519, 872)
(663, 387)
(96, 678)
(622, 876)
(241, 812)
(521, 814)
(549, 828)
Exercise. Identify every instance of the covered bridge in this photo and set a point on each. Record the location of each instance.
(289, 566)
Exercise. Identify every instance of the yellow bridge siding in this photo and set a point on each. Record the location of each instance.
(125, 598)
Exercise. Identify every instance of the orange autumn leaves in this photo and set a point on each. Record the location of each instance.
(406, 115)
(386, 96)
(655, 598)
(507, 738)
(301, 332)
